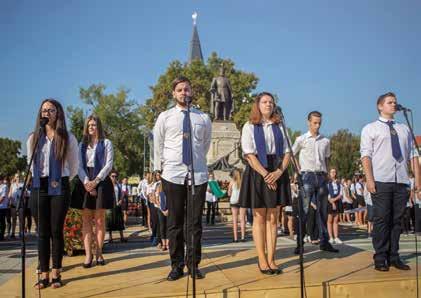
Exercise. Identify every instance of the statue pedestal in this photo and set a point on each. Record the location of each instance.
(225, 138)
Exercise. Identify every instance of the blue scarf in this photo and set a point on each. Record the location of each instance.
(54, 176)
(331, 191)
(259, 139)
(99, 160)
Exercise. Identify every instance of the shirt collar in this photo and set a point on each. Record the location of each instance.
(180, 109)
(308, 135)
(382, 119)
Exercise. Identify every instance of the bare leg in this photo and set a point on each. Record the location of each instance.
(87, 216)
(291, 226)
(259, 231)
(329, 225)
(234, 211)
(335, 226)
(99, 231)
(272, 217)
(243, 222)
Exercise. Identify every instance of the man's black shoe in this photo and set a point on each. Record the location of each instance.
(199, 274)
(381, 267)
(297, 250)
(328, 247)
(175, 274)
(398, 264)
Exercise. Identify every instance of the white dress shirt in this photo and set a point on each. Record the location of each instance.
(359, 188)
(168, 144)
(142, 188)
(90, 159)
(248, 144)
(376, 145)
(71, 162)
(313, 152)
(3, 194)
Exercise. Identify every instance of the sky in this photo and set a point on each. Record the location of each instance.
(333, 56)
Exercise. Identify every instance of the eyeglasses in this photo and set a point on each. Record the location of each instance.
(113, 176)
(49, 111)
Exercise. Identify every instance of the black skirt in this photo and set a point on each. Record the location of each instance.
(114, 219)
(255, 193)
(104, 199)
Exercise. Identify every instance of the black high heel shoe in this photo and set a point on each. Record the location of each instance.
(265, 271)
(101, 261)
(89, 265)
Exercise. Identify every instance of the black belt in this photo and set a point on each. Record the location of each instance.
(320, 173)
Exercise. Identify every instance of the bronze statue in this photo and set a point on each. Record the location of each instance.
(222, 104)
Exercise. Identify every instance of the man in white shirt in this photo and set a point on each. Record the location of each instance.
(314, 152)
(143, 199)
(386, 149)
(174, 156)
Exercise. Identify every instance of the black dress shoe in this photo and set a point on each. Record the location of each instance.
(381, 267)
(175, 274)
(266, 271)
(198, 273)
(398, 264)
(297, 250)
(328, 247)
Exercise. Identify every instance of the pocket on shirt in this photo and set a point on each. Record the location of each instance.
(199, 131)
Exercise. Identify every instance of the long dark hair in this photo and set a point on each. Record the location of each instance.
(86, 137)
(61, 135)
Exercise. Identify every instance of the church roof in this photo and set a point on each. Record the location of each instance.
(195, 51)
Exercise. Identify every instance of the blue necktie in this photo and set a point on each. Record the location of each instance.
(186, 140)
(396, 148)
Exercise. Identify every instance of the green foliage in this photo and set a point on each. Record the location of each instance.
(121, 121)
(10, 160)
(201, 75)
(76, 118)
(345, 155)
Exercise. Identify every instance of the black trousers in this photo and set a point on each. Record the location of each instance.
(180, 212)
(154, 220)
(389, 203)
(144, 208)
(210, 212)
(3, 214)
(52, 212)
(163, 225)
(312, 224)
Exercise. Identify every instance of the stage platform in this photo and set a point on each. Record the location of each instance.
(138, 270)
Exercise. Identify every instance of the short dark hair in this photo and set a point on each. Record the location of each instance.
(315, 114)
(382, 97)
(114, 171)
(178, 80)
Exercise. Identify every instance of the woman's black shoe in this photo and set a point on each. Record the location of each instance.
(42, 283)
(265, 271)
(100, 262)
(56, 282)
(89, 265)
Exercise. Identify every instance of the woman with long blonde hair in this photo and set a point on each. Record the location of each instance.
(238, 213)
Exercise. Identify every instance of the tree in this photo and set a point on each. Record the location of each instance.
(121, 121)
(200, 74)
(10, 160)
(345, 155)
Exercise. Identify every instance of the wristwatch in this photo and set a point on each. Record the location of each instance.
(97, 180)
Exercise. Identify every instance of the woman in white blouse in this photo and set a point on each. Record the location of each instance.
(94, 192)
(265, 184)
(55, 163)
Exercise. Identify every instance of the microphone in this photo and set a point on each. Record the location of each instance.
(188, 100)
(43, 121)
(402, 108)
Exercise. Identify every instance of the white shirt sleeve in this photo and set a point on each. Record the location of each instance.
(73, 156)
(328, 149)
(208, 133)
(247, 140)
(109, 159)
(366, 143)
(158, 142)
(297, 145)
(286, 135)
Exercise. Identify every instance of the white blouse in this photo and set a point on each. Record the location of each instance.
(247, 139)
(90, 159)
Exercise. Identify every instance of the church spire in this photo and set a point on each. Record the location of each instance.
(195, 51)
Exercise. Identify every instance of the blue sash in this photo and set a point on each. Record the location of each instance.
(99, 160)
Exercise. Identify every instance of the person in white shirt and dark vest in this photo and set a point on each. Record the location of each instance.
(55, 163)
(314, 152)
(386, 149)
(172, 156)
(265, 184)
(94, 190)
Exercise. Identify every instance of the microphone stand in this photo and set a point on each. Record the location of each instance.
(21, 210)
(414, 140)
(301, 193)
(190, 196)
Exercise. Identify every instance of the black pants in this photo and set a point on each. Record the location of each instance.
(312, 224)
(154, 220)
(163, 226)
(180, 211)
(52, 212)
(210, 212)
(389, 203)
(144, 208)
(3, 214)
(406, 220)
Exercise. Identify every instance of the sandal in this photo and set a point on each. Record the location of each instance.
(56, 282)
(42, 283)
